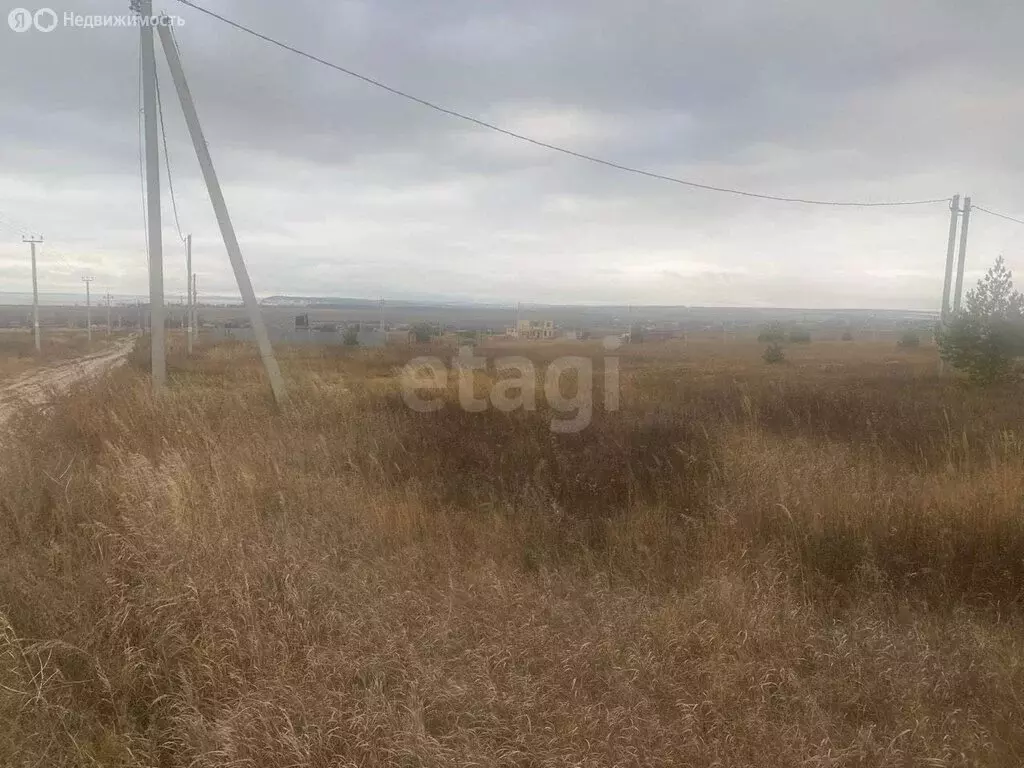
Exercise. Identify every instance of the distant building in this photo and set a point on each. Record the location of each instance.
(532, 329)
(401, 336)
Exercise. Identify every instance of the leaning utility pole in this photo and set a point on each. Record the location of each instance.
(963, 255)
(220, 207)
(88, 307)
(35, 290)
(156, 249)
(188, 287)
(954, 215)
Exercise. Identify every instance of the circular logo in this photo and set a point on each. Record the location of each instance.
(20, 19)
(45, 19)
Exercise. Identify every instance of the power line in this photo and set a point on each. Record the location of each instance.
(544, 144)
(167, 158)
(12, 227)
(999, 215)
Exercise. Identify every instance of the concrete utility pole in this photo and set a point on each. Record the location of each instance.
(156, 248)
(188, 287)
(35, 290)
(195, 306)
(220, 207)
(108, 313)
(954, 213)
(963, 255)
(88, 307)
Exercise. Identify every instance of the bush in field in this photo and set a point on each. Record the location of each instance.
(351, 336)
(986, 337)
(774, 354)
(847, 336)
(909, 340)
(772, 333)
(423, 332)
(800, 336)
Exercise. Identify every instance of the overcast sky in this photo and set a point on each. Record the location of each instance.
(338, 188)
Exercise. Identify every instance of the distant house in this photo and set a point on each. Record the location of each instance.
(399, 337)
(532, 329)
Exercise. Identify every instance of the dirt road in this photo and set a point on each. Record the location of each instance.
(35, 388)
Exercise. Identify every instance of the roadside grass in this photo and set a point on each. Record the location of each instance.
(18, 353)
(815, 565)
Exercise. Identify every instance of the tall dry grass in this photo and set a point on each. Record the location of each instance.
(820, 565)
(18, 352)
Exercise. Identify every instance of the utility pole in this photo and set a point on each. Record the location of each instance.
(381, 321)
(195, 306)
(88, 307)
(954, 215)
(108, 313)
(35, 290)
(220, 207)
(188, 287)
(156, 248)
(963, 255)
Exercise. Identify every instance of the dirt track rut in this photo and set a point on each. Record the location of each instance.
(37, 387)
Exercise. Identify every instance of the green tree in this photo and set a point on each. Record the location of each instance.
(423, 332)
(773, 332)
(986, 336)
(351, 336)
(774, 354)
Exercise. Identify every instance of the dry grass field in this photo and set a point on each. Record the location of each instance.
(819, 563)
(18, 352)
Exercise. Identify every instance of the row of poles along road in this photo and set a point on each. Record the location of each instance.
(153, 216)
(192, 303)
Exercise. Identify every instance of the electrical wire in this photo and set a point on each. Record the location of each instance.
(544, 144)
(995, 213)
(13, 227)
(167, 157)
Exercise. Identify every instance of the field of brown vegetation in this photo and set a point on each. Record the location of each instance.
(819, 563)
(18, 351)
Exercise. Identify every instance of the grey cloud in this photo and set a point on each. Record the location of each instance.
(337, 187)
